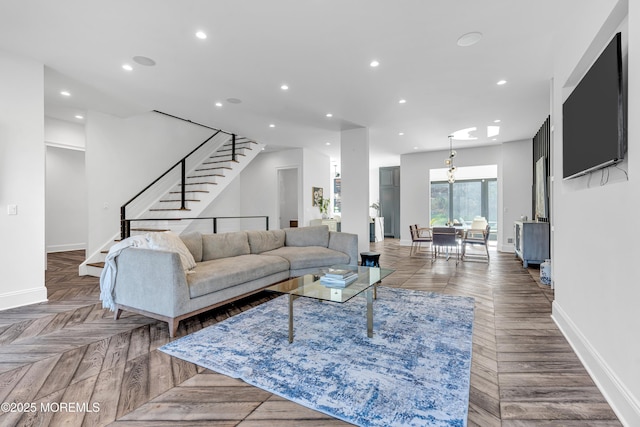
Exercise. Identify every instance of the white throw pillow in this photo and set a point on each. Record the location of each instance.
(169, 241)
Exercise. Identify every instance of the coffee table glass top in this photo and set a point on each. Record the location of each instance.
(309, 285)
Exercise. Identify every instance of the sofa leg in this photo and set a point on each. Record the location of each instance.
(173, 327)
(117, 314)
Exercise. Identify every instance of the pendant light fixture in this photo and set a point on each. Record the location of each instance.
(451, 177)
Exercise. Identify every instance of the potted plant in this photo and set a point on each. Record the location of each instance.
(323, 205)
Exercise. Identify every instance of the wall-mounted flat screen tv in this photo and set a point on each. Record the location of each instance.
(594, 123)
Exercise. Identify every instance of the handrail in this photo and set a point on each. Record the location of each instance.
(126, 223)
(182, 162)
(192, 122)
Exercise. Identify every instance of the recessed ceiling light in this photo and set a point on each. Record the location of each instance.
(143, 60)
(496, 121)
(402, 101)
(464, 134)
(400, 133)
(415, 148)
(201, 35)
(469, 39)
(501, 82)
(374, 63)
(127, 67)
(327, 143)
(284, 87)
(493, 131)
(234, 100)
(329, 115)
(79, 117)
(218, 104)
(65, 93)
(272, 125)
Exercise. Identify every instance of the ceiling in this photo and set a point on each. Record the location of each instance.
(321, 49)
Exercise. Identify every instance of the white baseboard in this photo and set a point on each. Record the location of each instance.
(66, 247)
(623, 403)
(510, 248)
(405, 242)
(23, 297)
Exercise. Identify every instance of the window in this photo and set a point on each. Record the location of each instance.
(463, 200)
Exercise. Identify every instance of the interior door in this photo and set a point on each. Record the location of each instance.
(287, 196)
(390, 200)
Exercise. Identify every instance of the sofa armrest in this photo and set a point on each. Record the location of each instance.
(151, 280)
(345, 242)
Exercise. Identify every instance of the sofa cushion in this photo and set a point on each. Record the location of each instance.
(217, 274)
(193, 242)
(224, 245)
(307, 236)
(169, 241)
(262, 240)
(309, 257)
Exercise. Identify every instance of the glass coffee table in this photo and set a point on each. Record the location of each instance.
(309, 286)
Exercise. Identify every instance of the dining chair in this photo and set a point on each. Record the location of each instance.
(445, 238)
(418, 237)
(475, 236)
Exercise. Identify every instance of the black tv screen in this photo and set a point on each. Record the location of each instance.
(594, 134)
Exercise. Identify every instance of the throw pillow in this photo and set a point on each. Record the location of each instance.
(169, 241)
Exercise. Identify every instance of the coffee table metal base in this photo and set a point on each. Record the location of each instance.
(371, 293)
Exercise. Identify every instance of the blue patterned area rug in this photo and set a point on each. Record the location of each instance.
(414, 371)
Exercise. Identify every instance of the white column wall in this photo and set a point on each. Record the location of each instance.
(22, 182)
(354, 157)
(595, 255)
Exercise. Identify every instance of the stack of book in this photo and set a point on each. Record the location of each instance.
(337, 278)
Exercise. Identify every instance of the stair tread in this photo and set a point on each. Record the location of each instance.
(178, 200)
(231, 149)
(197, 183)
(226, 155)
(167, 209)
(189, 191)
(96, 264)
(209, 174)
(150, 229)
(214, 168)
(219, 161)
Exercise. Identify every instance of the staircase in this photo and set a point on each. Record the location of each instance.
(201, 176)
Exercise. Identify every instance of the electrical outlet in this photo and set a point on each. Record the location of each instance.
(510, 240)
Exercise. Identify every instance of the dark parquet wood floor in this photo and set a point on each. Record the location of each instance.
(67, 362)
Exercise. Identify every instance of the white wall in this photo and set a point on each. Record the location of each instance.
(22, 181)
(123, 156)
(61, 133)
(514, 161)
(259, 193)
(316, 172)
(66, 200)
(595, 272)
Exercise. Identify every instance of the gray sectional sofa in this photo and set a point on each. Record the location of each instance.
(229, 266)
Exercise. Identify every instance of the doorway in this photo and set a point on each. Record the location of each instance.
(390, 200)
(288, 197)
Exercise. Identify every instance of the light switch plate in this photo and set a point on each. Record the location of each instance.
(12, 209)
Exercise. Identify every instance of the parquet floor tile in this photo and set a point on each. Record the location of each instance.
(70, 351)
